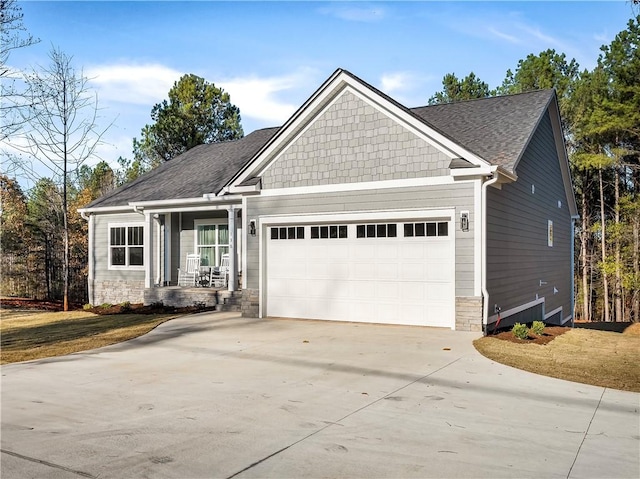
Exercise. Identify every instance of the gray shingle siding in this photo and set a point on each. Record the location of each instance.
(352, 142)
(518, 256)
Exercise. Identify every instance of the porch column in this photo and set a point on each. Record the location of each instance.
(233, 263)
(148, 250)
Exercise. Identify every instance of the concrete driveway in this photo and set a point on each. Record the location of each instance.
(215, 395)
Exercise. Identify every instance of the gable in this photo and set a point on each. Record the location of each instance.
(351, 141)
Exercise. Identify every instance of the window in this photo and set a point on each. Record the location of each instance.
(212, 241)
(126, 246)
(550, 233)
(329, 232)
(291, 232)
(383, 230)
(430, 228)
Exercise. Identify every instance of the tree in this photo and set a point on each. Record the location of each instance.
(63, 131)
(197, 112)
(467, 88)
(98, 180)
(13, 35)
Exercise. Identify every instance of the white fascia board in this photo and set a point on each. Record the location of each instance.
(106, 210)
(241, 190)
(189, 209)
(333, 87)
(471, 173)
(404, 214)
(181, 202)
(362, 186)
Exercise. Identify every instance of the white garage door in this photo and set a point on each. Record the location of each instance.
(385, 272)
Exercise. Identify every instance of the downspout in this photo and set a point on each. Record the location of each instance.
(483, 242)
(90, 253)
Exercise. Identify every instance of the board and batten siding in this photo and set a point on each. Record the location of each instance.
(521, 267)
(352, 141)
(458, 196)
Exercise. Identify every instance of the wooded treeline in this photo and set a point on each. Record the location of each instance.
(600, 109)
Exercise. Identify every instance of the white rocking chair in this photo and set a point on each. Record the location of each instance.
(191, 273)
(220, 275)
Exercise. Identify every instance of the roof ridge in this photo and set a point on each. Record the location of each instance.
(469, 100)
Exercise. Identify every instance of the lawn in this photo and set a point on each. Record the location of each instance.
(27, 335)
(600, 358)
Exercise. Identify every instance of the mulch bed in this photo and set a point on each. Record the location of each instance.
(42, 305)
(550, 333)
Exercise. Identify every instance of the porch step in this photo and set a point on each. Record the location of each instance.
(220, 300)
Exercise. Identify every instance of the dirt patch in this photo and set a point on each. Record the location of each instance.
(550, 333)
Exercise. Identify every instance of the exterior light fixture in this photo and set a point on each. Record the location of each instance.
(252, 227)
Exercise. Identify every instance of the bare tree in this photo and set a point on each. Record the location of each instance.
(62, 130)
(13, 35)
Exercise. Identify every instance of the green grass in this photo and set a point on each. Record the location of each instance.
(36, 335)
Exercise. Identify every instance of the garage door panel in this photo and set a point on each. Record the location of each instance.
(394, 280)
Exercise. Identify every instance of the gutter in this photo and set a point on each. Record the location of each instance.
(483, 242)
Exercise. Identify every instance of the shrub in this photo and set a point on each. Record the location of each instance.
(126, 306)
(106, 305)
(87, 306)
(520, 331)
(537, 328)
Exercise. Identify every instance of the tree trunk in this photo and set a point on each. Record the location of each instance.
(603, 244)
(617, 293)
(636, 267)
(586, 300)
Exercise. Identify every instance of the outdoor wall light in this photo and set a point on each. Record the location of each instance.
(464, 221)
(252, 227)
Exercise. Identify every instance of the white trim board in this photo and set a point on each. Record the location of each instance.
(364, 186)
(337, 217)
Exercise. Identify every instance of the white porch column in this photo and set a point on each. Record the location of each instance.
(148, 250)
(233, 262)
(167, 248)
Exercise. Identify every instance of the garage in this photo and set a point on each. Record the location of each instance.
(381, 271)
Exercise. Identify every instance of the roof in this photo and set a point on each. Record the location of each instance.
(201, 170)
(497, 129)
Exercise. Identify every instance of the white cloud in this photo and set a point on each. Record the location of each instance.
(261, 97)
(134, 84)
(504, 36)
(364, 13)
(405, 87)
(396, 81)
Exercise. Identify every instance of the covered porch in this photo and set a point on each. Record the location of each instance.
(210, 228)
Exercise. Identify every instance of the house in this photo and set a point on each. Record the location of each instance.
(360, 209)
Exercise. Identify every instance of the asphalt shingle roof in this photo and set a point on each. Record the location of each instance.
(496, 129)
(201, 170)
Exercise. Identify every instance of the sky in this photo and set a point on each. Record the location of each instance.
(272, 55)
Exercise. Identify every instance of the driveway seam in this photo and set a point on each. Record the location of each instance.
(333, 423)
(47, 463)
(586, 433)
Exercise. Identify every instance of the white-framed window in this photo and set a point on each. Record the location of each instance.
(126, 246)
(211, 241)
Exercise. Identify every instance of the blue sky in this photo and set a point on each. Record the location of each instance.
(271, 56)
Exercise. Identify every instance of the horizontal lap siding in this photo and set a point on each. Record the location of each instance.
(459, 196)
(518, 257)
(101, 248)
